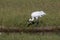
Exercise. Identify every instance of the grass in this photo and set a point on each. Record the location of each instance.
(17, 12)
(24, 36)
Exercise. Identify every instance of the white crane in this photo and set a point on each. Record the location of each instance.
(36, 15)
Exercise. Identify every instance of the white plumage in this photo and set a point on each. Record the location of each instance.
(37, 14)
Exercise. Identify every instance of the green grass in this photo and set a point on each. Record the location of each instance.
(24, 36)
(17, 12)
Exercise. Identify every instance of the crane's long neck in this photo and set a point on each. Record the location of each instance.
(32, 19)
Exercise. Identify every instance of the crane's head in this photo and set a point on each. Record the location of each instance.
(30, 20)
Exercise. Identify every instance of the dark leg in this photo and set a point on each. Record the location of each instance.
(36, 22)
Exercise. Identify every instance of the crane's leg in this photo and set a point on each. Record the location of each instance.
(37, 21)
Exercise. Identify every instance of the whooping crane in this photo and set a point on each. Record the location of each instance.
(36, 15)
